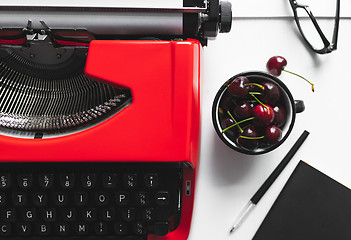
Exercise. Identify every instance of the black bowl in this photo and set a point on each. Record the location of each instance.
(287, 101)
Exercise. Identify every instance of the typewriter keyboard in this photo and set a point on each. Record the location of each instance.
(108, 200)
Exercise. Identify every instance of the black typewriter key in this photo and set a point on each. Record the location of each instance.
(29, 214)
(2, 199)
(43, 229)
(46, 180)
(148, 214)
(67, 180)
(5, 181)
(109, 180)
(151, 180)
(81, 228)
(108, 214)
(121, 228)
(62, 229)
(139, 228)
(25, 181)
(81, 198)
(102, 198)
(89, 214)
(60, 198)
(88, 180)
(48, 214)
(101, 228)
(40, 199)
(162, 198)
(161, 228)
(24, 229)
(130, 180)
(19, 198)
(128, 214)
(8, 215)
(142, 198)
(5, 229)
(122, 198)
(68, 214)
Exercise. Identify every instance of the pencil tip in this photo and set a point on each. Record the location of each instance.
(231, 230)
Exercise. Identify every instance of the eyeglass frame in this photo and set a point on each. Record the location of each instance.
(328, 47)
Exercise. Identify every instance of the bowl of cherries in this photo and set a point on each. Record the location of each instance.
(254, 112)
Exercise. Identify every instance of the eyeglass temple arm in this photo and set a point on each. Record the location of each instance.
(336, 25)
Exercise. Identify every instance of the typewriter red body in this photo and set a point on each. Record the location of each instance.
(160, 125)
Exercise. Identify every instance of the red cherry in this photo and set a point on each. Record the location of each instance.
(226, 103)
(226, 122)
(248, 143)
(271, 93)
(231, 133)
(237, 87)
(264, 115)
(280, 115)
(243, 110)
(276, 64)
(273, 134)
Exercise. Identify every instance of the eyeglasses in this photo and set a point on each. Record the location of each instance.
(311, 31)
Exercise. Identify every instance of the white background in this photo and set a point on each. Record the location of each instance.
(227, 179)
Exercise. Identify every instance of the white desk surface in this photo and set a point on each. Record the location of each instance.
(228, 179)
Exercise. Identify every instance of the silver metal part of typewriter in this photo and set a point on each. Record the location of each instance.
(43, 51)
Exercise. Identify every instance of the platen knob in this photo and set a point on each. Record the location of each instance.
(225, 22)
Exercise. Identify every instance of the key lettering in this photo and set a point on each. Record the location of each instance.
(108, 215)
(81, 228)
(29, 214)
(61, 198)
(69, 215)
(46, 181)
(3, 181)
(43, 228)
(8, 214)
(49, 214)
(25, 182)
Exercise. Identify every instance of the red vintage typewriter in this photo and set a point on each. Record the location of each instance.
(99, 117)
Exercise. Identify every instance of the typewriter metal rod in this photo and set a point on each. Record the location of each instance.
(109, 9)
(99, 23)
(188, 19)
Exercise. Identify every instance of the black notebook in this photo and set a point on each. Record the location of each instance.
(311, 206)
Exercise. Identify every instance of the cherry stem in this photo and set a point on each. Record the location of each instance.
(245, 120)
(260, 102)
(255, 84)
(240, 129)
(251, 137)
(300, 77)
(255, 93)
